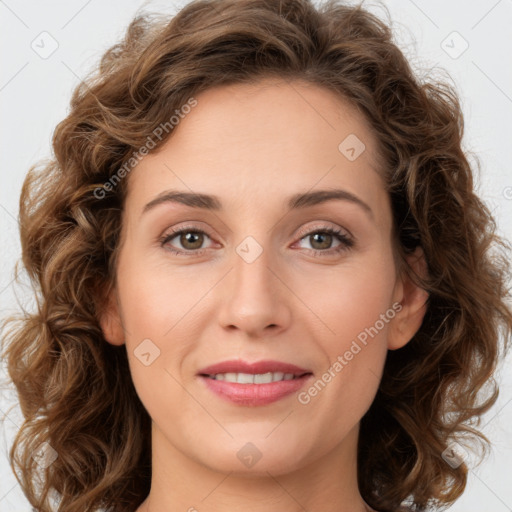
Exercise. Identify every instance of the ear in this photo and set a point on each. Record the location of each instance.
(110, 320)
(412, 298)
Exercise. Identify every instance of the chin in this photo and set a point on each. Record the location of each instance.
(253, 458)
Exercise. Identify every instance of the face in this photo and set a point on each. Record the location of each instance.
(260, 277)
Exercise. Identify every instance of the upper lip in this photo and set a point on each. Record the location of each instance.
(239, 366)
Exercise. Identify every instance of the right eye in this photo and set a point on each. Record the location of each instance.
(190, 238)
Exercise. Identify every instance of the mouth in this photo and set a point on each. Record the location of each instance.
(254, 378)
(254, 384)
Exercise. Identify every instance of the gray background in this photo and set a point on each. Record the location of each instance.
(34, 97)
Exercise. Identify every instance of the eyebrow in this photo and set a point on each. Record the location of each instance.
(296, 201)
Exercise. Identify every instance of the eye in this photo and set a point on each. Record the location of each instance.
(191, 240)
(321, 240)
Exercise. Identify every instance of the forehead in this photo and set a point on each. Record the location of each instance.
(260, 139)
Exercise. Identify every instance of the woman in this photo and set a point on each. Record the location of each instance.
(266, 281)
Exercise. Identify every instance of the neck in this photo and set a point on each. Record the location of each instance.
(327, 484)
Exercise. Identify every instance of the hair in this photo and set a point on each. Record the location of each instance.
(75, 389)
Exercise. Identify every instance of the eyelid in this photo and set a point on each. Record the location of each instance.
(322, 224)
(318, 226)
(192, 226)
(304, 231)
(176, 230)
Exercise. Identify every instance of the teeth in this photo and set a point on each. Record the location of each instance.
(249, 378)
(244, 378)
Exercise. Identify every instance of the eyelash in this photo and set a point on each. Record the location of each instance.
(345, 245)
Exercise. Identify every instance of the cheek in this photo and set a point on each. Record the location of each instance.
(151, 313)
(155, 296)
(355, 312)
(147, 307)
(351, 297)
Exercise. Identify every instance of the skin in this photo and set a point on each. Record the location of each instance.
(253, 146)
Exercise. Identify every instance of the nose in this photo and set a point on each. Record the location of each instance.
(256, 299)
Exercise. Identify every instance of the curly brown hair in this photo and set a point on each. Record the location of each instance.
(72, 384)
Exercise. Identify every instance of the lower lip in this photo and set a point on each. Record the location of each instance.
(255, 394)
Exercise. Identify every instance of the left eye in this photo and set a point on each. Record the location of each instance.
(191, 240)
(324, 238)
